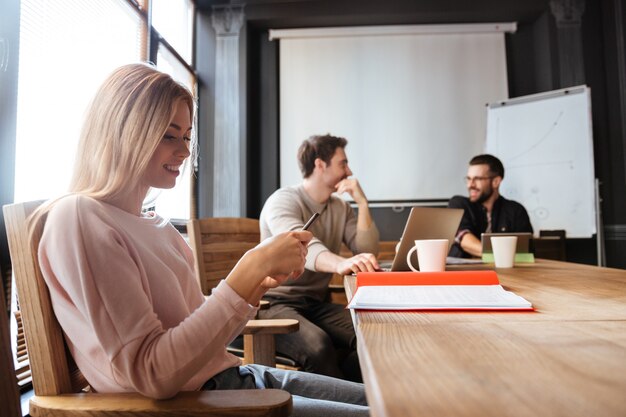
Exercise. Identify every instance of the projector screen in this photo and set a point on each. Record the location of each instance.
(410, 102)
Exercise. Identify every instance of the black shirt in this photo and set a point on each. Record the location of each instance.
(506, 216)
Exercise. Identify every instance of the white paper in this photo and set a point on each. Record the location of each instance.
(426, 297)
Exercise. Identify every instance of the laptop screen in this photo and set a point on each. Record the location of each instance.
(426, 223)
(523, 241)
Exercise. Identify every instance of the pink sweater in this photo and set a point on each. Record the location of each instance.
(124, 291)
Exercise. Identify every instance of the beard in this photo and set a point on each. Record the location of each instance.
(484, 194)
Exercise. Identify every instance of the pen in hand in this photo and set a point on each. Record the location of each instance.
(310, 221)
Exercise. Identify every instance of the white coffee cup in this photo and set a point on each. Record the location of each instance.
(504, 250)
(431, 255)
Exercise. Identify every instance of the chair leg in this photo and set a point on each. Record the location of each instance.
(9, 395)
(259, 349)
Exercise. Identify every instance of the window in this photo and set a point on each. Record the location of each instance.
(66, 49)
(175, 202)
(173, 19)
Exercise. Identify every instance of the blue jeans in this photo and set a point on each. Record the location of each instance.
(313, 395)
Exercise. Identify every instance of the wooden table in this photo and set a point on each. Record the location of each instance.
(566, 359)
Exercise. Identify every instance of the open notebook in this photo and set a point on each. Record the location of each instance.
(455, 290)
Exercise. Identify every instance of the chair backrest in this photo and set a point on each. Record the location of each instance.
(559, 232)
(550, 245)
(218, 244)
(54, 371)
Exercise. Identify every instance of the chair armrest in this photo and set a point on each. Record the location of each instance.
(273, 326)
(258, 339)
(263, 304)
(267, 402)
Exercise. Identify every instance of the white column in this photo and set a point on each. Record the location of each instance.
(228, 164)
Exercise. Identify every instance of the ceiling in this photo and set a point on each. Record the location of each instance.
(319, 13)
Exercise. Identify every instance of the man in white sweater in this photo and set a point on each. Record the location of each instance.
(326, 342)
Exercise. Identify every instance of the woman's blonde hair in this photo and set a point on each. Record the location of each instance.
(124, 123)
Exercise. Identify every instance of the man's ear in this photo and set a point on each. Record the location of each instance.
(496, 181)
(319, 164)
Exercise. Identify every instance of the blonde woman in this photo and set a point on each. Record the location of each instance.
(122, 281)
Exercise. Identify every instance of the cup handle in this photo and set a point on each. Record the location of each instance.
(408, 259)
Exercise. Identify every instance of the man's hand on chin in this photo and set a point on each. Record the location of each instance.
(353, 188)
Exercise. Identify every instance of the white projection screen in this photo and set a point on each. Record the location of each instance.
(410, 100)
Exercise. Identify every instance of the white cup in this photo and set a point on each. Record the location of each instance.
(504, 250)
(431, 255)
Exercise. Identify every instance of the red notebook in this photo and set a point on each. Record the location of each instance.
(455, 290)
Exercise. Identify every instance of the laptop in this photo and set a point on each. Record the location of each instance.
(523, 241)
(424, 223)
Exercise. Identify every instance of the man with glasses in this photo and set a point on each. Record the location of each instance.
(486, 211)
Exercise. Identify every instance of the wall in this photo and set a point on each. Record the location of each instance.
(604, 44)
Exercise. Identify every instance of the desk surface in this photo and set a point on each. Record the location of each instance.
(566, 359)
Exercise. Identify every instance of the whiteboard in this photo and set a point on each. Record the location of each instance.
(545, 143)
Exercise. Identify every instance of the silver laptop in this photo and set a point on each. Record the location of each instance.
(425, 223)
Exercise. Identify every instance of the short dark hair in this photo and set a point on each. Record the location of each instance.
(495, 165)
(318, 146)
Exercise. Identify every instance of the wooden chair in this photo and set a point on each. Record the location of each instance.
(550, 245)
(218, 244)
(9, 394)
(60, 388)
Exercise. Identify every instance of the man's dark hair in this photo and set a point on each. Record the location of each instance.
(495, 165)
(318, 146)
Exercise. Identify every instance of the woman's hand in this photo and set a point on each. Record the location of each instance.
(269, 264)
(269, 282)
(283, 256)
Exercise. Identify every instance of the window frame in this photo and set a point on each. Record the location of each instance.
(149, 42)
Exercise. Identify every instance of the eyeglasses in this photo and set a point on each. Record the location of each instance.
(470, 180)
